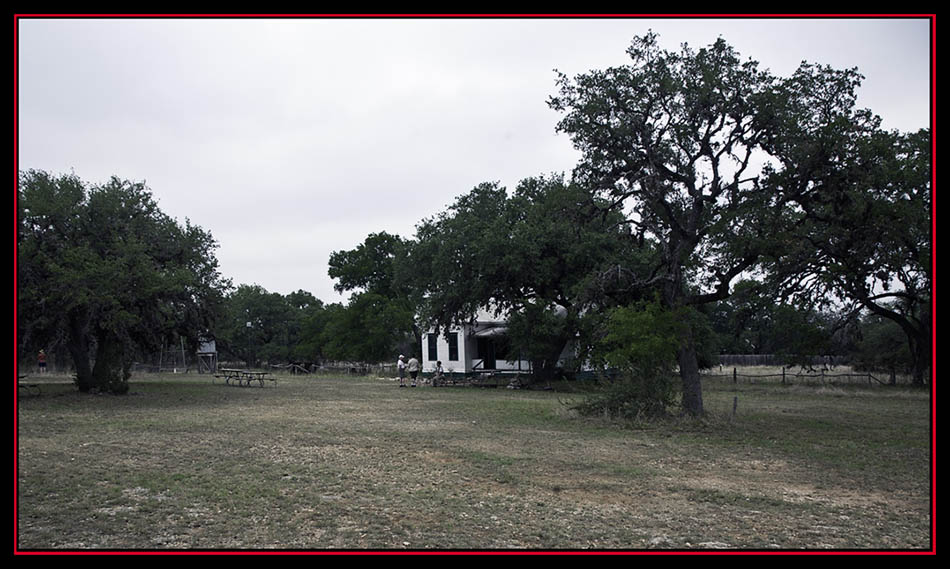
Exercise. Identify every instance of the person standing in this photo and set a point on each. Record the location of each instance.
(401, 366)
(439, 376)
(41, 361)
(413, 367)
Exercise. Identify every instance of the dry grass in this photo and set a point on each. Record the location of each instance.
(347, 463)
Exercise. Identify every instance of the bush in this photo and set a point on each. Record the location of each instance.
(641, 343)
(633, 395)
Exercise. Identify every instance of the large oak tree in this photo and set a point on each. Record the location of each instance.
(712, 157)
(103, 269)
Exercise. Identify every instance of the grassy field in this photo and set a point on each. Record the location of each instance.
(357, 463)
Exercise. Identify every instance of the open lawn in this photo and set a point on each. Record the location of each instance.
(357, 463)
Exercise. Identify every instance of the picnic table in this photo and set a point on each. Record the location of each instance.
(28, 388)
(243, 377)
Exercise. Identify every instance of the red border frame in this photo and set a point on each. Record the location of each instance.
(933, 411)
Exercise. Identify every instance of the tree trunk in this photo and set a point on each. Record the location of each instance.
(920, 348)
(689, 373)
(78, 345)
(109, 372)
(686, 356)
(919, 337)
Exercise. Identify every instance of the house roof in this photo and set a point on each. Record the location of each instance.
(491, 331)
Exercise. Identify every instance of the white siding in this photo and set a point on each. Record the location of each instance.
(462, 364)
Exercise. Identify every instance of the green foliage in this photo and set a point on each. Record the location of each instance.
(311, 343)
(537, 333)
(862, 233)
(458, 257)
(104, 271)
(799, 335)
(632, 396)
(642, 343)
(379, 319)
(259, 326)
(725, 165)
(534, 256)
(298, 327)
(752, 323)
(370, 266)
(369, 329)
(255, 325)
(882, 345)
(644, 337)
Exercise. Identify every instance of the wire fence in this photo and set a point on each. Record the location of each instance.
(805, 377)
(747, 360)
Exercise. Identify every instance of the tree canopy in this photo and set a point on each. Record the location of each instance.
(713, 158)
(861, 234)
(257, 325)
(370, 266)
(532, 256)
(102, 269)
(379, 320)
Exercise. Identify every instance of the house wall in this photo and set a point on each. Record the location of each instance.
(468, 355)
(461, 365)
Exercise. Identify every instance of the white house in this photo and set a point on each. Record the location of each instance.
(479, 346)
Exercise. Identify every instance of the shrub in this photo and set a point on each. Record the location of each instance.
(634, 395)
(641, 342)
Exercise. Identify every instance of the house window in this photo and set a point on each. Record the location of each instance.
(433, 347)
(453, 338)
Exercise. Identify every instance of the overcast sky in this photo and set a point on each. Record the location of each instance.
(288, 139)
